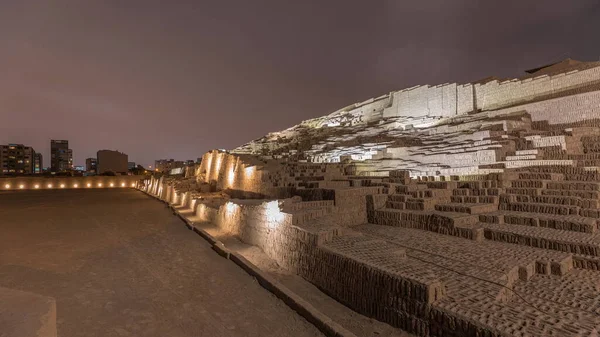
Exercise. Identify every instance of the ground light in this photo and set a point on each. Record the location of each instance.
(7, 186)
(122, 184)
(75, 186)
(49, 185)
(21, 186)
(99, 184)
(62, 185)
(89, 185)
(36, 186)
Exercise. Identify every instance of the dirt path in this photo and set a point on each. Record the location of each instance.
(119, 263)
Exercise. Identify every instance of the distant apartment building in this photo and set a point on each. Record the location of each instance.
(111, 161)
(131, 165)
(38, 163)
(16, 159)
(166, 165)
(61, 157)
(90, 165)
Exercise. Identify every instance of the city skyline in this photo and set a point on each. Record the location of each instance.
(47, 156)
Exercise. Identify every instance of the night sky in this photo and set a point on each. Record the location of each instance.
(173, 79)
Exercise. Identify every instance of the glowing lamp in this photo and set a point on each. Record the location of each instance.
(36, 186)
(89, 185)
(7, 186)
(132, 184)
(49, 185)
(62, 185)
(21, 186)
(112, 185)
(75, 185)
(122, 184)
(99, 184)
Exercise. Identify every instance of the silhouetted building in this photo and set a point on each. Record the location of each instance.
(111, 161)
(131, 165)
(38, 163)
(61, 157)
(16, 159)
(166, 165)
(90, 165)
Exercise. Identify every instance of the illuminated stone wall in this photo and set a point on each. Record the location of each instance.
(232, 172)
(450, 129)
(50, 183)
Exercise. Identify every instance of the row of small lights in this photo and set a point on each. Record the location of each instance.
(37, 186)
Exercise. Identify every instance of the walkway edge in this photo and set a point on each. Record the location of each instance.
(321, 321)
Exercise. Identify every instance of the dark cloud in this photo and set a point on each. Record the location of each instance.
(174, 79)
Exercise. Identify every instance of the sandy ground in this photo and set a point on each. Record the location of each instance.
(349, 319)
(119, 263)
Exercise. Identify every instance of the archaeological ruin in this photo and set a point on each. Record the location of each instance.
(448, 210)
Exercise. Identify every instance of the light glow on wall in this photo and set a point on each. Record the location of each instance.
(132, 184)
(62, 185)
(21, 186)
(49, 185)
(75, 186)
(219, 159)
(122, 184)
(230, 208)
(274, 216)
(89, 185)
(7, 186)
(36, 186)
(112, 185)
(99, 184)
(230, 177)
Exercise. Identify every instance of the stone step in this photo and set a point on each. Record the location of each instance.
(431, 193)
(474, 199)
(572, 223)
(573, 185)
(398, 197)
(420, 204)
(479, 184)
(571, 193)
(466, 208)
(476, 192)
(467, 252)
(545, 238)
(524, 191)
(539, 208)
(395, 205)
(308, 205)
(454, 224)
(304, 216)
(551, 199)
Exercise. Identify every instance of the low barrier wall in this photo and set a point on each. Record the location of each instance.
(52, 183)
